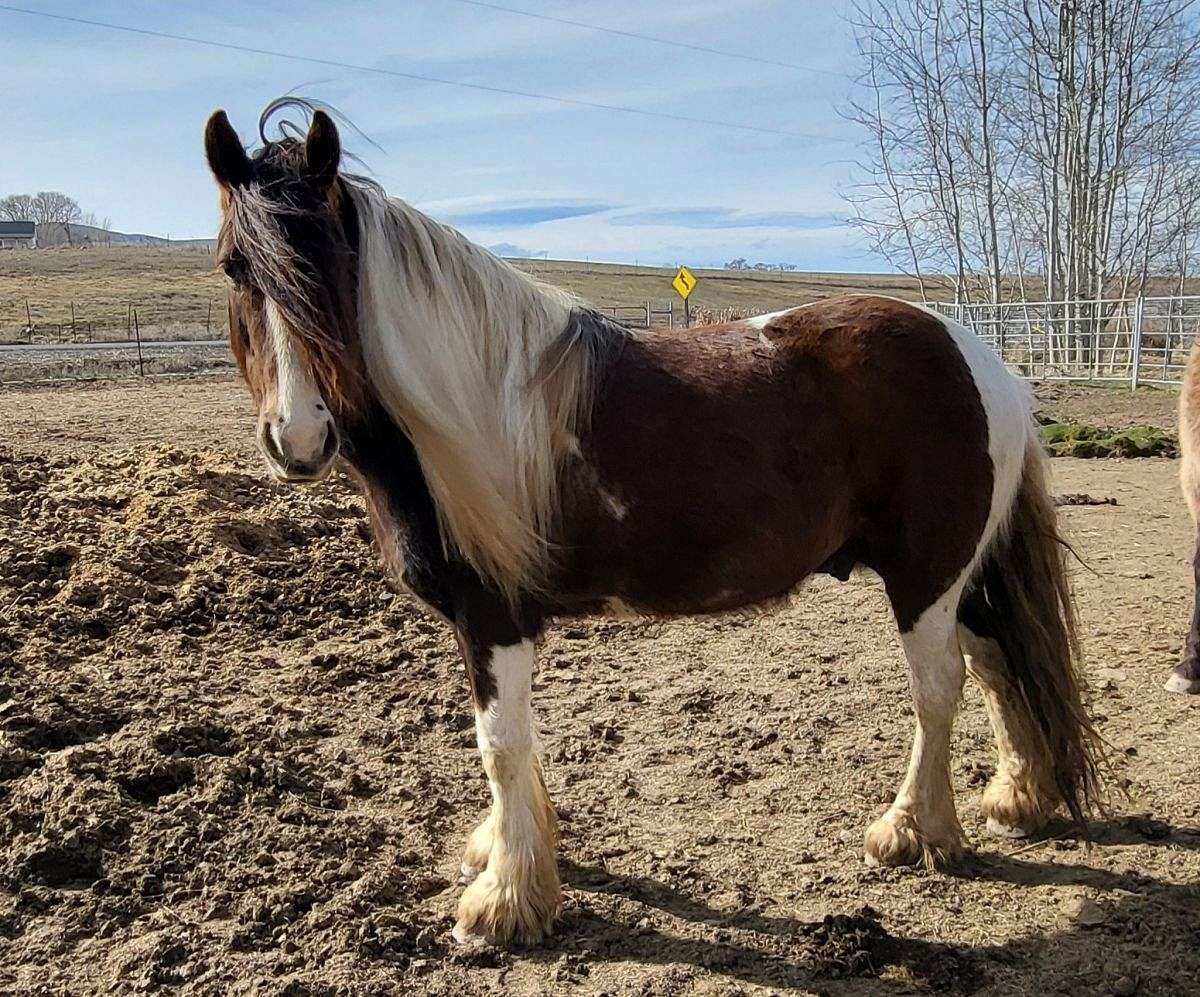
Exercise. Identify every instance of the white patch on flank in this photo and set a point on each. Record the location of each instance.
(300, 420)
(762, 321)
(1008, 407)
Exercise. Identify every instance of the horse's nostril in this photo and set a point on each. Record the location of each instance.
(329, 447)
(270, 443)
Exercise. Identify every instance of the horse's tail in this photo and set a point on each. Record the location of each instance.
(1022, 600)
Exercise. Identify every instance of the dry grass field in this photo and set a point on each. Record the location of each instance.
(166, 286)
(173, 290)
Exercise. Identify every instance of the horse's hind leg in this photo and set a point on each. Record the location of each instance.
(1021, 797)
(922, 824)
(1186, 677)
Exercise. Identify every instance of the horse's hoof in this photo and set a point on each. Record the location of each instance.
(1185, 686)
(1001, 830)
(465, 936)
(519, 913)
(895, 840)
(1015, 809)
(890, 842)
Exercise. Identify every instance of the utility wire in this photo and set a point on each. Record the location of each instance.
(654, 38)
(529, 94)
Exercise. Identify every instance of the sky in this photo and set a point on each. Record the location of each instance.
(115, 118)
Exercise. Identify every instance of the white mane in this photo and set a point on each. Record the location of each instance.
(453, 339)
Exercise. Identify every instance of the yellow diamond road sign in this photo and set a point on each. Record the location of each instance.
(684, 282)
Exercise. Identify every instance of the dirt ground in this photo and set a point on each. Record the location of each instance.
(232, 761)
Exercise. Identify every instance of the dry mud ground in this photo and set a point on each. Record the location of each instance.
(233, 761)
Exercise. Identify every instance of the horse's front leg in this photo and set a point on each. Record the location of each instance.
(514, 894)
(1186, 677)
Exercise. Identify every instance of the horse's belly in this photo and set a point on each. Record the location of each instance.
(709, 575)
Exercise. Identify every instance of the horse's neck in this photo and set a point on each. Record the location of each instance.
(403, 515)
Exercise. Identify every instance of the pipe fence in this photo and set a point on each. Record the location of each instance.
(1141, 340)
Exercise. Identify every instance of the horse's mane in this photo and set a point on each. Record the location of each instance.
(488, 372)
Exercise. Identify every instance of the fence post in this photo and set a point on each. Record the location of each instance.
(138, 334)
(73, 335)
(1137, 343)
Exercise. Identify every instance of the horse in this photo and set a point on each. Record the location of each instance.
(526, 459)
(1186, 676)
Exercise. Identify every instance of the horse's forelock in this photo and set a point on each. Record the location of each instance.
(260, 224)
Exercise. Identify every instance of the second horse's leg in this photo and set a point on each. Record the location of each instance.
(1186, 676)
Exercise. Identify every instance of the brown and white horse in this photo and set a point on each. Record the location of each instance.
(525, 458)
(1186, 676)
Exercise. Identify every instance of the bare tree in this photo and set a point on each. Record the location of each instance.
(100, 233)
(1014, 139)
(56, 210)
(17, 208)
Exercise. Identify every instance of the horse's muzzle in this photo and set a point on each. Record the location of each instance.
(286, 467)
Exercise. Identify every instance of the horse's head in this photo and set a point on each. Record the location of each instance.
(287, 244)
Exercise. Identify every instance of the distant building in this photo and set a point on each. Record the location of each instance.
(18, 235)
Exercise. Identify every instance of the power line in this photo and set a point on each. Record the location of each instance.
(724, 53)
(314, 60)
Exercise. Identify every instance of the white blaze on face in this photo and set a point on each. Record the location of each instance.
(300, 420)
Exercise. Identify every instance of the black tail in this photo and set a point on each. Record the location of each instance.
(1022, 600)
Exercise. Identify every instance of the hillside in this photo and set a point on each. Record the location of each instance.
(81, 235)
(173, 290)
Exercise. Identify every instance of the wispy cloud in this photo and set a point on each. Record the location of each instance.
(521, 215)
(723, 218)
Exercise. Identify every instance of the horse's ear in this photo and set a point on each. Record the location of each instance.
(226, 157)
(322, 149)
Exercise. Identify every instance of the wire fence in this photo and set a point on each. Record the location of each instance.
(1140, 340)
(31, 323)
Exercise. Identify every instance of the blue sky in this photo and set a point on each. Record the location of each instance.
(115, 118)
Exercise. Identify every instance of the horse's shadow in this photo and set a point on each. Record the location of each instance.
(1145, 926)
